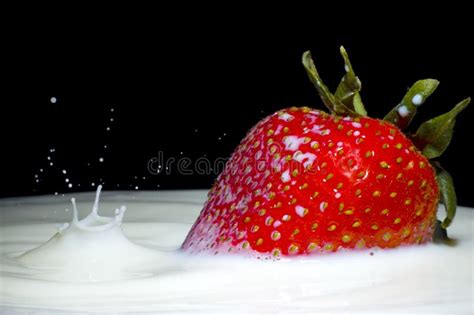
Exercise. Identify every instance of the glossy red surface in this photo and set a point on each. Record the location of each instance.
(303, 181)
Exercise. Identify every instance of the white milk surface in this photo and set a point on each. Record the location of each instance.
(142, 271)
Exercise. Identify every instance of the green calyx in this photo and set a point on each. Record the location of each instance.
(346, 100)
(432, 137)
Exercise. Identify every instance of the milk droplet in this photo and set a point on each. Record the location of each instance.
(403, 111)
(285, 177)
(108, 128)
(417, 99)
(53, 100)
(92, 184)
(64, 172)
(136, 187)
(101, 159)
(70, 185)
(66, 180)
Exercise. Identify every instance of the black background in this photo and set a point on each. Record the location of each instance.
(167, 75)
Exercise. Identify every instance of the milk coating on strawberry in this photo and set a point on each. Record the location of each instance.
(303, 181)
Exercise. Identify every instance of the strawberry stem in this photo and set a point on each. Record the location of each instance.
(402, 114)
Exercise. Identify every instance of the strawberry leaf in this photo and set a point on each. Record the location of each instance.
(434, 136)
(448, 195)
(403, 113)
(440, 234)
(332, 102)
(348, 89)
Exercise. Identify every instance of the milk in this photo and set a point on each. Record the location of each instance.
(136, 265)
(90, 250)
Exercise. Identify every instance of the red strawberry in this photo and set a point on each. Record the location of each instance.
(303, 181)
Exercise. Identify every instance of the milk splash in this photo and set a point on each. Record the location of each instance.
(428, 279)
(93, 249)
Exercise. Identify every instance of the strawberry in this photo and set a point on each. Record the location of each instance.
(304, 181)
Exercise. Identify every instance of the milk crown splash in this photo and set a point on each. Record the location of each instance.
(91, 249)
(95, 222)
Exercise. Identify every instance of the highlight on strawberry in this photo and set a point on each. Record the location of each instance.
(304, 181)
